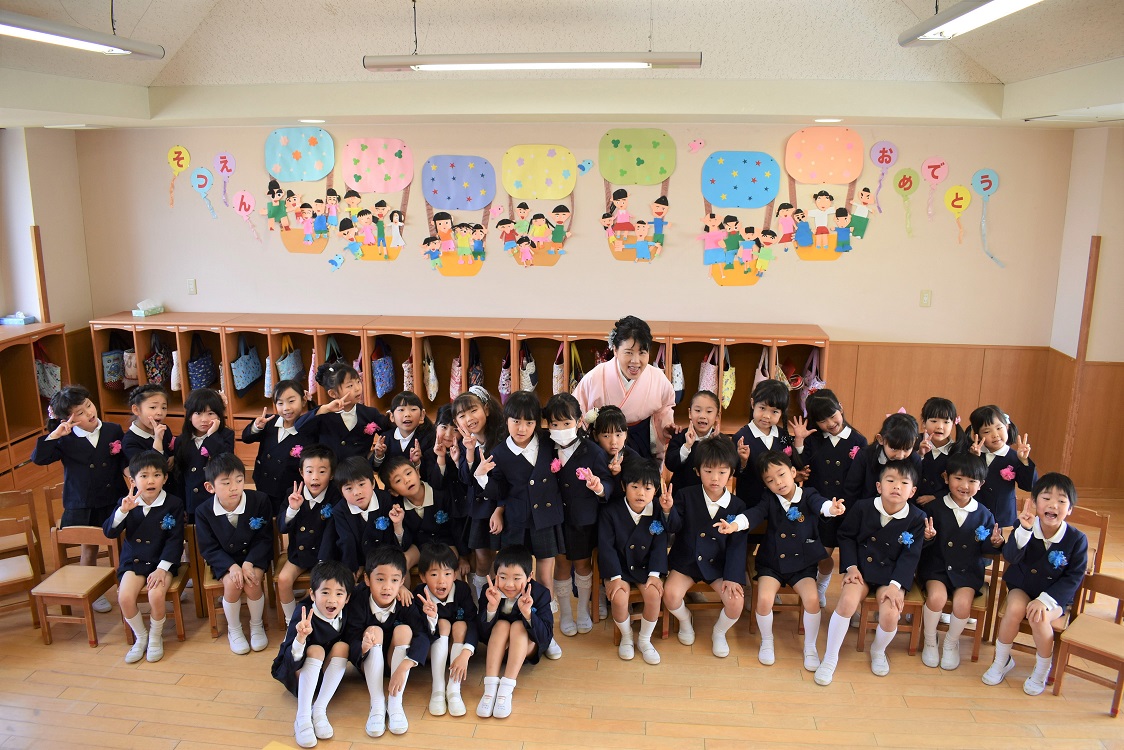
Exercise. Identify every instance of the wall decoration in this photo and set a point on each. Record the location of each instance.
(373, 165)
(377, 165)
(986, 182)
(884, 155)
(244, 207)
(178, 159)
(737, 179)
(934, 170)
(202, 181)
(538, 172)
(224, 165)
(585, 167)
(275, 210)
(860, 212)
(636, 156)
(906, 182)
(957, 199)
(696, 145)
(464, 183)
(822, 156)
(299, 154)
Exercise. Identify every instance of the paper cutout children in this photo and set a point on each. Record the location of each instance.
(732, 240)
(522, 218)
(431, 249)
(443, 225)
(786, 224)
(478, 235)
(659, 223)
(380, 225)
(764, 254)
(347, 232)
(352, 199)
(644, 249)
(307, 222)
(607, 223)
(319, 220)
(540, 230)
(803, 236)
(860, 213)
(462, 234)
(747, 247)
(558, 235)
(842, 231)
(526, 250)
(275, 211)
(332, 208)
(622, 220)
(396, 220)
(822, 217)
(508, 235)
(714, 241)
(365, 222)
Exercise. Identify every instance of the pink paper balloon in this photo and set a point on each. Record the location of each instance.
(243, 203)
(934, 170)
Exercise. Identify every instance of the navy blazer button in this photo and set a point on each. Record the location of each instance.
(782, 555)
(783, 536)
(702, 534)
(92, 466)
(632, 546)
(870, 559)
(536, 506)
(532, 482)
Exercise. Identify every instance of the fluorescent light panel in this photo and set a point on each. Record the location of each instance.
(961, 18)
(533, 61)
(41, 30)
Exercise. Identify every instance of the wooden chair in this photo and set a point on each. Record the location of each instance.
(1097, 640)
(173, 595)
(280, 557)
(914, 601)
(210, 589)
(20, 569)
(979, 610)
(16, 505)
(789, 600)
(195, 569)
(75, 585)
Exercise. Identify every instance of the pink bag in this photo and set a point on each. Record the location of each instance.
(708, 372)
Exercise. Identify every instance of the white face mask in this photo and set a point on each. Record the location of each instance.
(564, 437)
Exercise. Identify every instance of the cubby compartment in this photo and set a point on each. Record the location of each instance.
(169, 340)
(492, 349)
(107, 338)
(350, 346)
(744, 358)
(21, 392)
(543, 351)
(797, 355)
(251, 402)
(445, 348)
(211, 341)
(691, 356)
(399, 345)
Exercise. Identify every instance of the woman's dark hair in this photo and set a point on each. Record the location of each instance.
(523, 405)
(631, 328)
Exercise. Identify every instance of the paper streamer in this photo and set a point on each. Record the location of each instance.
(885, 155)
(224, 168)
(202, 181)
(934, 170)
(178, 159)
(957, 199)
(906, 182)
(986, 182)
(244, 206)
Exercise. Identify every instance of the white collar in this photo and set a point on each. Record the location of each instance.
(969, 508)
(843, 435)
(647, 511)
(377, 610)
(520, 451)
(903, 513)
(221, 511)
(283, 431)
(786, 504)
(944, 450)
(448, 598)
(999, 453)
(138, 431)
(1057, 537)
(373, 505)
(404, 438)
(336, 622)
(155, 503)
(624, 378)
(82, 433)
(427, 499)
(721, 502)
(757, 433)
(314, 500)
(349, 412)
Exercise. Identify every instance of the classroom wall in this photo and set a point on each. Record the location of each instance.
(139, 246)
(1105, 342)
(17, 257)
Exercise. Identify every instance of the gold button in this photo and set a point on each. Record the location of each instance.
(837, 463)
(302, 528)
(301, 547)
(1034, 571)
(784, 536)
(870, 559)
(548, 505)
(782, 556)
(873, 539)
(536, 505)
(632, 546)
(92, 466)
(138, 541)
(532, 482)
(193, 469)
(700, 558)
(950, 544)
(702, 534)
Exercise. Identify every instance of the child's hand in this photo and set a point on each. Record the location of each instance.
(667, 501)
(335, 405)
(654, 582)
(613, 587)
(235, 573)
(803, 474)
(469, 441)
(158, 430)
(405, 597)
(1026, 518)
(428, 604)
(1036, 611)
(130, 501)
(838, 508)
(615, 464)
(895, 596)
(304, 625)
(725, 527)
(492, 593)
(297, 498)
(731, 590)
(690, 437)
(743, 452)
(930, 530)
(926, 445)
(996, 537)
(261, 422)
(485, 466)
(249, 575)
(593, 483)
(379, 446)
(371, 638)
(798, 426)
(458, 669)
(440, 450)
(525, 602)
(495, 522)
(158, 579)
(924, 500)
(398, 679)
(1022, 449)
(64, 428)
(212, 428)
(396, 516)
(853, 575)
(976, 447)
(416, 453)
(455, 453)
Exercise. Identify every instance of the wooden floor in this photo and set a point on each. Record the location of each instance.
(69, 695)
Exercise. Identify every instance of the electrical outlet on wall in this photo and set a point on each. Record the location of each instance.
(926, 297)
(192, 287)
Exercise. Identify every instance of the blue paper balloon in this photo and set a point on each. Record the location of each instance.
(202, 180)
(740, 179)
(985, 182)
(458, 182)
(299, 154)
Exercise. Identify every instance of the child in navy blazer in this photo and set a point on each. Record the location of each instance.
(428, 509)
(278, 464)
(515, 621)
(413, 433)
(344, 424)
(765, 432)
(149, 404)
(710, 545)
(584, 480)
(204, 436)
(1007, 453)
(894, 442)
(152, 521)
(316, 637)
(632, 551)
(959, 533)
(879, 548)
(308, 509)
(235, 535)
(791, 551)
(827, 455)
(1046, 562)
(703, 418)
(440, 469)
(610, 431)
(366, 518)
(941, 436)
(93, 464)
(454, 641)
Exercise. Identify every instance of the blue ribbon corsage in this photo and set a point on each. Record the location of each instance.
(168, 522)
(382, 523)
(534, 610)
(326, 511)
(794, 514)
(982, 533)
(1057, 558)
(906, 538)
(731, 518)
(441, 517)
(655, 528)
(460, 614)
(257, 522)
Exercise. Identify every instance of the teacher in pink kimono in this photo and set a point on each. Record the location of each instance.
(642, 391)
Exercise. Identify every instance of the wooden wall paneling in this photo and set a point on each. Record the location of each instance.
(841, 375)
(1096, 459)
(1013, 378)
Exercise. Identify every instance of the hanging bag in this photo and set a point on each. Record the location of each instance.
(201, 370)
(812, 380)
(48, 375)
(176, 378)
(408, 374)
(558, 379)
(729, 382)
(246, 367)
(131, 377)
(792, 382)
(312, 373)
(761, 372)
(289, 364)
(678, 382)
(429, 372)
(504, 386)
(333, 355)
(158, 364)
(577, 372)
(269, 377)
(382, 366)
(708, 372)
(475, 366)
(456, 378)
(528, 370)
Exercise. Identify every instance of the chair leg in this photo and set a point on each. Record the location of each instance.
(41, 608)
(864, 615)
(177, 613)
(1062, 655)
(1054, 661)
(212, 616)
(1115, 710)
(666, 622)
(91, 628)
(914, 639)
(977, 637)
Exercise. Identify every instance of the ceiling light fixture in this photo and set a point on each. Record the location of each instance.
(829, 119)
(50, 32)
(533, 61)
(960, 19)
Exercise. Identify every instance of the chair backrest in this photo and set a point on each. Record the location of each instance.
(72, 536)
(1111, 586)
(53, 497)
(1095, 526)
(24, 527)
(21, 504)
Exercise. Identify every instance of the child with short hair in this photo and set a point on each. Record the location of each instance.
(235, 535)
(345, 424)
(385, 633)
(428, 509)
(702, 551)
(879, 548)
(204, 435)
(941, 436)
(316, 637)
(515, 620)
(961, 532)
(632, 551)
(994, 436)
(894, 442)
(305, 519)
(454, 641)
(365, 519)
(1046, 562)
(703, 418)
(413, 431)
(280, 445)
(151, 551)
(764, 432)
(149, 404)
(93, 462)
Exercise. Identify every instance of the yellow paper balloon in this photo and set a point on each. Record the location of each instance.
(957, 199)
(178, 159)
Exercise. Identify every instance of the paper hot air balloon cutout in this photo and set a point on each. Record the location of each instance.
(539, 172)
(458, 182)
(178, 159)
(377, 165)
(827, 156)
(986, 182)
(884, 155)
(934, 170)
(740, 179)
(957, 199)
(243, 205)
(906, 182)
(299, 154)
(202, 181)
(224, 167)
(636, 156)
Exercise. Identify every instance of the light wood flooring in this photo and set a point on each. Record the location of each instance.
(200, 695)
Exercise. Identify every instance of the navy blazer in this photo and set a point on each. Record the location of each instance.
(134, 444)
(222, 545)
(448, 480)
(998, 493)
(792, 540)
(540, 628)
(1057, 571)
(394, 448)
(360, 617)
(435, 524)
(348, 538)
(276, 468)
(92, 477)
(462, 608)
(579, 503)
(697, 543)
(830, 463)
(330, 430)
(862, 478)
(307, 527)
(749, 487)
(631, 550)
(932, 467)
(882, 553)
(529, 495)
(191, 470)
(151, 539)
(683, 474)
(479, 505)
(958, 551)
(285, 668)
(615, 489)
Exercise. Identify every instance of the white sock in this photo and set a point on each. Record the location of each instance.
(765, 625)
(955, 628)
(307, 677)
(1042, 667)
(931, 619)
(1002, 652)
(882, 639)
(507, 687)
(394, 702)
(288, 608)
(811, 630)
(724, 623)
(136, 622)
(257, 609)
(479, 582)
(647, 627)
(837, 628)
(585, 591)
(372, 672)
(332, 676)
(823, 580)
(233, 612)
(682, 614)
(562, 598)
(626, 630)
(438, 659)
(454, 686)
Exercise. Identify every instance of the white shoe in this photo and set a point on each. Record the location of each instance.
(811, 660)
(101, 604)
(1034, 685)
(930, 655)
(996, 672)
(376, 722)
(455, 704)
(946, 618)
(856, 619)
(765, 653)
(238, 644)
(625, 650)
(649, 653)
(823, 598)
(686, 633)
(879, 664)
(718, 644)
(259, 641)
(305, 735)
(437, 705)
(487, 702)
(396, 723)
(824, 673)
(568, 626)
(503, 707)
(136, 653)
(320, 724)
(155, 651)
(553, 651)
(950, 654)
(585, 623)
(971, 623)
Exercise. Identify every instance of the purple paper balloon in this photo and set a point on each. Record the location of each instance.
(885, 155)
(224, 168)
